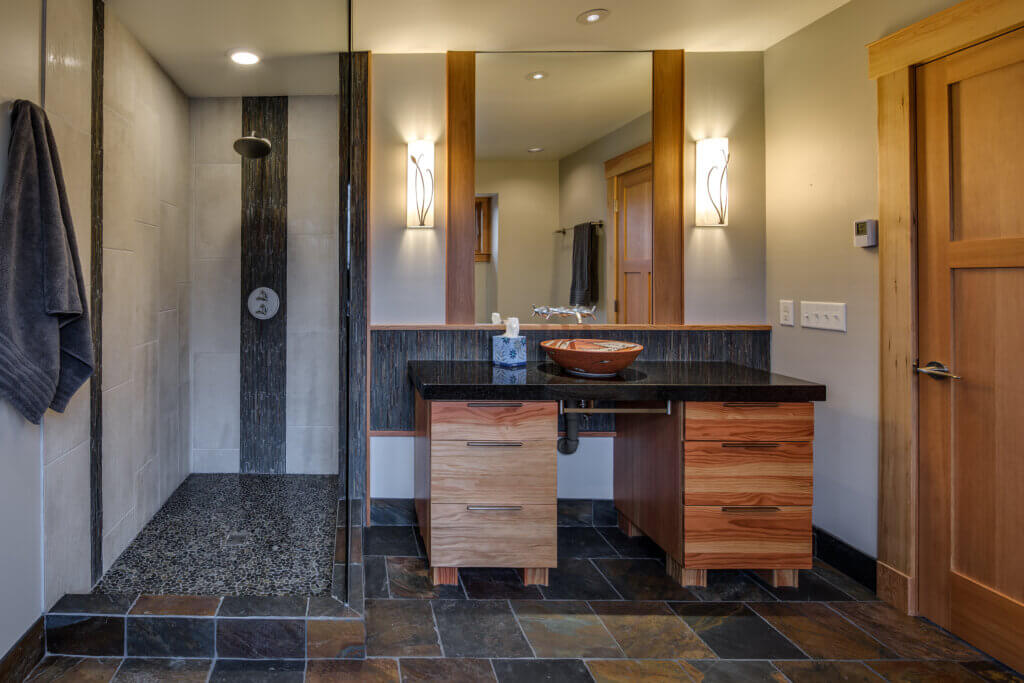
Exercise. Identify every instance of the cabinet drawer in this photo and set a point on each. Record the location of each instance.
(748, 473)
(466, 536)
(749, 421)
(494, 420)
(484, 472)
(746, 537)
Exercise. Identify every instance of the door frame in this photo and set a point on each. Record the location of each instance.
(614, 169)
(892, 63)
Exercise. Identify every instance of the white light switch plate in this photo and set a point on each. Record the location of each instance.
(786, 312)
(823, 315)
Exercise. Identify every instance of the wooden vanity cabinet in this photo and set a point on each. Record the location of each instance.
(720, 486)
(486, 486)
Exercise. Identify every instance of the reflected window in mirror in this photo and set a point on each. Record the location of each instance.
(565, 153)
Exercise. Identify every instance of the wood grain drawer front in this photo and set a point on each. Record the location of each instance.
(748, 473)
(493, 420)
(724, 537)
(480, 536)
(493, 472)
(749, 422)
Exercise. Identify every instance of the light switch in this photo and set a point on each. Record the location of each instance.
(786, 312)
(823, 315)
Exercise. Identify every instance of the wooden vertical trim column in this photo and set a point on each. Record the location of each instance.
(96, 297)
(897, 266)
(667, 165)
(460, 155)
(264, 264)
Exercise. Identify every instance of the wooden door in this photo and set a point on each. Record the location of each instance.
(970, 118)
(634, 254)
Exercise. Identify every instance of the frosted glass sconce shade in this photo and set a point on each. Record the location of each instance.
(712, 192)
(420, 185)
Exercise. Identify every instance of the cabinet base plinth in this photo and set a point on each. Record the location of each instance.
(686, 577)
(444, 576)
(780, 578)
(627, 527)
(534, 576)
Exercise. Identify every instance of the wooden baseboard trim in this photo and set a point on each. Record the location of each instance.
(897, 589)
(24, 654)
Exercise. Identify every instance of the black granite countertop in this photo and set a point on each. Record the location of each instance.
(642, 381)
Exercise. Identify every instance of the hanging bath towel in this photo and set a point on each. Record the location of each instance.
(583, 291)
(46, 350)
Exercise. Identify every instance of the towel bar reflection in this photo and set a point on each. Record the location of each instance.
(562, 231)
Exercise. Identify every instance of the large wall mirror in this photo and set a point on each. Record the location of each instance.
(565, 187)
(563, 184)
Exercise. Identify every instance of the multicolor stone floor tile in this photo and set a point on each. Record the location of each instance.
(497, 584)
(638, 579)
(407, 577)
(923, 671)
(178, 670)
(564, 629)
(463, 670)
(576, 579)
(734, 631)
(532, 670)
(401, 628)
(356, 671)
(627, 670)
(908, 637)
(85, 670)
(827, 672)
(820, 631)
(733, 672)
(650, 630)
(479, 628)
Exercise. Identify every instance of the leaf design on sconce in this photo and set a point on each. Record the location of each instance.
(424, 200)
(722, 205)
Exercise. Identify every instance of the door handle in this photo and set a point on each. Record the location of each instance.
(500, 444)
(751, 444)
(937, 370)
(494, 508)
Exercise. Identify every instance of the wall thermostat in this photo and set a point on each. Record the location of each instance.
(865, 233)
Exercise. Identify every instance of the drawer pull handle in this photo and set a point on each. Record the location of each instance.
(747, 404)
(751, 508)
(751, 444)
(495, 405)
(503, 444)
(492, 508)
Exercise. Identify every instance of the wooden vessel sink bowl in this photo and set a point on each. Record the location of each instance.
(591, 357)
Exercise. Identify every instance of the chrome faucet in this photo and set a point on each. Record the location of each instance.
(578, 312)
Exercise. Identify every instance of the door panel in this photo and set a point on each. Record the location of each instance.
(634, 251)
(970, 141)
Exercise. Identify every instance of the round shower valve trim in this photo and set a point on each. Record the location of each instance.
(264, 303)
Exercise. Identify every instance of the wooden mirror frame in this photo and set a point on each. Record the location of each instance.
(667, 163)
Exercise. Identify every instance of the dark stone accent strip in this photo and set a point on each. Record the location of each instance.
(392, 398)
(24, 654)
(858, 565)
(264, 264)
(96, 296)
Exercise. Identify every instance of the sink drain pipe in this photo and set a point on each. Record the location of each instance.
(571, 441)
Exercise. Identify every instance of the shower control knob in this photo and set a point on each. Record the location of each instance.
(264, 303)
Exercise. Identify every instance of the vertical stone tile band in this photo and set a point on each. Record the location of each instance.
(96, 302)
(264, 264)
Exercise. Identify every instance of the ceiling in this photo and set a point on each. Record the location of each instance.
(585, 96)
(297, 38)
(298, 41)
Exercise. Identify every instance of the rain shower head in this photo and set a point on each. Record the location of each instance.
(252, 147)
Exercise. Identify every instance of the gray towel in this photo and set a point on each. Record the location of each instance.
(46, 349)
(583, 291)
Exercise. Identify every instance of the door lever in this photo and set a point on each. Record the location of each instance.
(937, 370)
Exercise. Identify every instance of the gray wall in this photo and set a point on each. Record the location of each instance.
(725, 267)
(146, 283)
(45, 482)
(406, 266)
(821, 170)
(311, 404)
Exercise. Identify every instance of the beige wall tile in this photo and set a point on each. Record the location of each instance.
(173, 254)
(69, 63)
(119, 315)
(215, 418)
(218, 211)
(118, 183)
(216, 124)
(312, 450)
(147, 282)
(145, 403)
(312, 379)
(216, 306)
(215, 461)
(312, 283)
(118, 450)
(67, 525)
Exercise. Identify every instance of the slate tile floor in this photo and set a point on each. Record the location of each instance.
(609, 614)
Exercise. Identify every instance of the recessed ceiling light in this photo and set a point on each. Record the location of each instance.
(536, 76)
(244, 57)
(534, 150)
(592, 16)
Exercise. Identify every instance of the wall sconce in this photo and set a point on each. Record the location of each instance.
(420, 185)
(712, 195)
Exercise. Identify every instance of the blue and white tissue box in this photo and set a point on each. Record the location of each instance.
(508, 352)
(508, 375)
